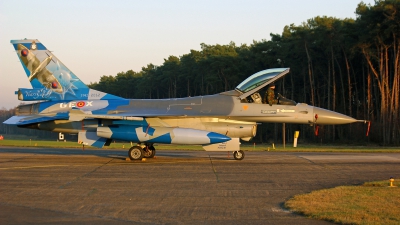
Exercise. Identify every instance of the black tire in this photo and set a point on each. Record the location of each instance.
(238, 155)
(149, 152)
(135, 153)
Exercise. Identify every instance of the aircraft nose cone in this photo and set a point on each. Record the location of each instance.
(327, 117)
(217, 138)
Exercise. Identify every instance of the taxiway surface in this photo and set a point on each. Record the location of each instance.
(65, 186)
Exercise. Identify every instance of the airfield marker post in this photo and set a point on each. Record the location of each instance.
(284, 135)
(296, 136)
(391, 180)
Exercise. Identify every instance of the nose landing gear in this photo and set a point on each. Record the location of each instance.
(238, 155)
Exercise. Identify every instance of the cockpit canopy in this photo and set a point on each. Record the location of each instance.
(259, 80)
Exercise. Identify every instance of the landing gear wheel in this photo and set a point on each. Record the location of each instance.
(238, 155)
(135, 153)
(149, 152)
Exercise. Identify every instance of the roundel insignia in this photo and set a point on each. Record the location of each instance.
(54, 85)
(245, 107)
(80, 104)
(24, 52)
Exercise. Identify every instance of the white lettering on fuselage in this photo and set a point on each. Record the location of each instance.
(95, 95)
(268, 111)
(41, 93)
(286, 110)
(76, 104)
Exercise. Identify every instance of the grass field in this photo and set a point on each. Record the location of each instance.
(246, 146)
(370, 203)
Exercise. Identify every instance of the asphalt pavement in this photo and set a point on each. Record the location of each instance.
(68, 186)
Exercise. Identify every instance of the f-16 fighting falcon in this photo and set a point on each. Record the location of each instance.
(217, 122)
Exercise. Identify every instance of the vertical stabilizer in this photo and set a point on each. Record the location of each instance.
(49, 77)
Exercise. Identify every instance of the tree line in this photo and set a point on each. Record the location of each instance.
(349, 66)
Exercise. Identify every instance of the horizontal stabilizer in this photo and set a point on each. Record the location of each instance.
(232, 145)
(39, 118)
(39, 94)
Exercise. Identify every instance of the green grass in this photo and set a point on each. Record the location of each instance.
(370, 203)
(246, 146)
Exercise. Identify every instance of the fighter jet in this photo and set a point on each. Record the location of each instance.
(217, 122)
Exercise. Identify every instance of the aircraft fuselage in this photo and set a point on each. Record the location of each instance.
(216, 113)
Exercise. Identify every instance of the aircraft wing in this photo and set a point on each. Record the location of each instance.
(78, 115)
(38, 118)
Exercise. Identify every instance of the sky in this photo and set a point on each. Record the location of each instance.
(97, 37)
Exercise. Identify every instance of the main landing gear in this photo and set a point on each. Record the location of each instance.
(238, 155)
(138, 152)
(148, 151)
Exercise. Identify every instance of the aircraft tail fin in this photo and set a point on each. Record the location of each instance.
(49, 77)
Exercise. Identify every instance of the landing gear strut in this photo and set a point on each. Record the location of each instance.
(149, 151)
(238, 155)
